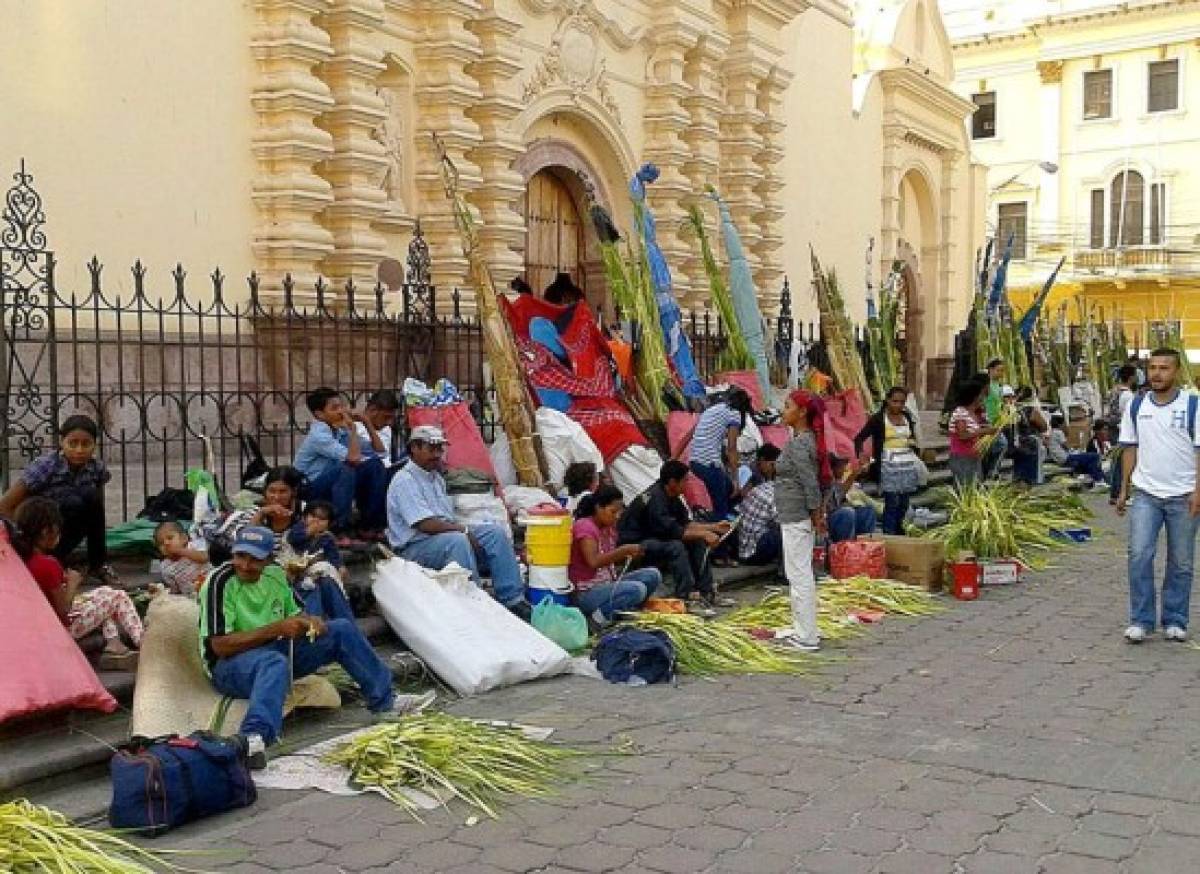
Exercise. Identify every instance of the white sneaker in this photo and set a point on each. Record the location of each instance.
(1175, 633)
(1135, 634)
(793, 641)
(407, 705)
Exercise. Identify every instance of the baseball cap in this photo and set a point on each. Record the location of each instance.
(430, 434)
(255, 541)
(1008, 392)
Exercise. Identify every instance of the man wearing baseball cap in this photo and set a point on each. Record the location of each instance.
(422, 526)
(254, 639)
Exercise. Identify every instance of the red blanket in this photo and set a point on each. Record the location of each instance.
(42, 669)
(589, 377)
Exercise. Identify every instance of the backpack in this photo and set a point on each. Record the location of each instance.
(163, 782)
(169, 505)
(1193, 403)
(628, 652)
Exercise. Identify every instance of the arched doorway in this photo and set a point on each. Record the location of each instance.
(554, 241)
(917, 252)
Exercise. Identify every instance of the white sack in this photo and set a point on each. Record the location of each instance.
(521, 499)
(564, 442)
(635, 470)
(502, 460)
(463, 635)
(482, 510)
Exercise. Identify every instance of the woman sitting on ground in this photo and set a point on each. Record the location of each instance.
(279, 510)
(39, 528)
(600, 589)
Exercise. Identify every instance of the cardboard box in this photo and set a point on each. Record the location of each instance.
(1078, 435)
(915, 560)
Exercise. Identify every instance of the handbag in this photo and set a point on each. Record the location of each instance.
(163, 782)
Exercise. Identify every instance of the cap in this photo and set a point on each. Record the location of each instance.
(430, 434)
(1007, 392)
(255, 541)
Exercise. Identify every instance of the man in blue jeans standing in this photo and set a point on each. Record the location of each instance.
(1161, 453)
(422, 526)
(254, 640)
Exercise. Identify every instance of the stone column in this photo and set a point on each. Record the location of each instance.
(502, 235)
(889, 231)
(358, 164)
(770, 187)
(741, 144)
(667, 120)
(703, 165)
(950, 285)
(288, 99)
(1050, 97)
(445, 94)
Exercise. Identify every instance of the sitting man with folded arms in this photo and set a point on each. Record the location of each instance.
(254, 640)
(422, 526)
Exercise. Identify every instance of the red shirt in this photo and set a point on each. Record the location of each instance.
(47, 572)
(583, 575)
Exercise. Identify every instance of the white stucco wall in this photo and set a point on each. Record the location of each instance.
(137, 133)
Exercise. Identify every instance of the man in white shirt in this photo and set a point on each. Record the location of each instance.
(1161, 443)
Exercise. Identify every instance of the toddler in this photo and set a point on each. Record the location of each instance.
(184, 564)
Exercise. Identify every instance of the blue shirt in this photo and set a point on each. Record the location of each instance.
(323, 450)
(415, 494)
(708, 441)
(323, 544)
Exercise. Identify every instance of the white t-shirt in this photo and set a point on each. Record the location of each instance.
(385, 437)
(1166, 462)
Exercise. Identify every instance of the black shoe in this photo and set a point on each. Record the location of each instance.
(254, 748)
(522, 611)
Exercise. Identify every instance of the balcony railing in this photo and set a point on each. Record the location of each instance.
(1143, 258)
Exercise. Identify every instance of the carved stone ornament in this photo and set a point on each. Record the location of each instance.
(1051, 72)
(575, 59)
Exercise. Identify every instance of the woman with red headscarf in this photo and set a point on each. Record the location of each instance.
(801, 473)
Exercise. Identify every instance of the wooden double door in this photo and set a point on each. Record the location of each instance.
(554, 241)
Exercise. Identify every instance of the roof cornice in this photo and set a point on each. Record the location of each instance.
(1033, 30)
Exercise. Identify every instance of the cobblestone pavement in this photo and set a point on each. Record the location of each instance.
(1017, 733)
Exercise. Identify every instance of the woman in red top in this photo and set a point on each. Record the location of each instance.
(39, 527)
(600, 590)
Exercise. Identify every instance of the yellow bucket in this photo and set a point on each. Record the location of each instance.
(548, 541)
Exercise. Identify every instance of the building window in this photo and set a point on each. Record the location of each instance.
(1097, 228)
(1126, 225)
(983, 121)
(1163, 86)
(1158, 214)
(1097, 94)
(1013, 221)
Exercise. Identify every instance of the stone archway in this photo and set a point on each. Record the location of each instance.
(918, 251)
(560, 187)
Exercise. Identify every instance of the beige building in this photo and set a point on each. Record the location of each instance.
(294, 136)
(1087, 124)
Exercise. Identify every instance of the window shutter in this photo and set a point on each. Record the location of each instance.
(1097, 229)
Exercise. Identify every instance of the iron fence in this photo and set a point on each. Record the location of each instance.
(164, 369)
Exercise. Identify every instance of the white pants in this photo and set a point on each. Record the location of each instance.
(798, 542)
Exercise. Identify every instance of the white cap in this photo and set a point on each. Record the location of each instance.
(430, 434)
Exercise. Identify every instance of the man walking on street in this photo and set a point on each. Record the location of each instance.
(1161, 454)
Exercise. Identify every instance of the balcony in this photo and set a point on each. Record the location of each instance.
(1144, 259)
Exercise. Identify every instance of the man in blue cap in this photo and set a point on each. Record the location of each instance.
(254, 639)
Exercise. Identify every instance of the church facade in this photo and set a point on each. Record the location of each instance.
(296, 137)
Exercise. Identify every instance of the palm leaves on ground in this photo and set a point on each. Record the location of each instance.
(735, 355)
(705, 648)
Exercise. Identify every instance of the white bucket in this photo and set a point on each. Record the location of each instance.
(553, 579)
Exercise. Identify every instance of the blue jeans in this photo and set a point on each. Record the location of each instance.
(1147, 514)
(261, 674)
(1115, 475)
(720, 487)
(324, 599)
(342, 485)
(849, 522)
(1087, 463)
(895, 509)
(495, 556)
(995, 455)
(628, 593)
(769, 548)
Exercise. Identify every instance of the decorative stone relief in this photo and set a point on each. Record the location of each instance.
(574, 60)
(389, 133)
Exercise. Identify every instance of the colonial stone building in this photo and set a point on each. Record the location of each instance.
(295, 136)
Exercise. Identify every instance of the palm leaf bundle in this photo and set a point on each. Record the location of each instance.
(736, 354)
(628, 279)
(706, 648)
(887, 369)
(447, 756)
(838, 333)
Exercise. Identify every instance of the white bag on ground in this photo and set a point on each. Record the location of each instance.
(502, 460)
(482, 510)
(460, 631)
(564, 442)
(635, 470)
(520, 499)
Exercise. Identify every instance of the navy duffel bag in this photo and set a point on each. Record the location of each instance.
(163, 782)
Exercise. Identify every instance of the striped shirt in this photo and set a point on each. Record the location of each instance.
(708, 441)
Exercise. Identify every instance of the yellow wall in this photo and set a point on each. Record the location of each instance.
(137, 133)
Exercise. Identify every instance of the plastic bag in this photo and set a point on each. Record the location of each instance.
(564, 625)
(463, 635)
